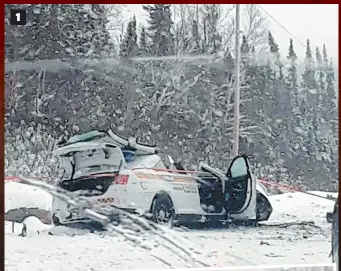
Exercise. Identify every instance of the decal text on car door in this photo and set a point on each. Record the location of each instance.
(185, 188)
(106, 200)
(190, 189)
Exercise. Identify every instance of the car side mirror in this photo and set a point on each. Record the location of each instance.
(330, 217)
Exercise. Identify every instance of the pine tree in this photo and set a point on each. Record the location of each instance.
(292, 55)
(292, 77)
(330, 86)
(101, 36)
(275, 56)
(309, 82)
(325, 56)
(310, 108)
(280, 112)
(319, 71)
(318, 57)
(144, 50)
(328, 71)
(85, 27)
(327, 129)
(160, 29)
(129, 47)
(295, 120)
(308, 54)
(272, 44)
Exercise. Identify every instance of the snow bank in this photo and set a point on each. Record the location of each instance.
(298, 206)
(34, 226)
(21, 195)
(286, 238)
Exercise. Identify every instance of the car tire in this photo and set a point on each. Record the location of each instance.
(55, 220)
(263, 209)
(162, 209)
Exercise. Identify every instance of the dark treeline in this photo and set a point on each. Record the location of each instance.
(288, 117)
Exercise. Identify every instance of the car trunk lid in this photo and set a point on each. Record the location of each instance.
(90, 167)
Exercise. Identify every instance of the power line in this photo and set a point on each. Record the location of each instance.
(282, 26)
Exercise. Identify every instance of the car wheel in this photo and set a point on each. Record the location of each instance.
(55, 220)
(162, 209)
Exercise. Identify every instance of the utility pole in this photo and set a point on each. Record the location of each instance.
(236, 114)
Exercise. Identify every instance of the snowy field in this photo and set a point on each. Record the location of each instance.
(297, 233)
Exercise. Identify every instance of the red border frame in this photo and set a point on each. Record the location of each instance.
(2, 11)
(2, 137)
(339, 103)
(175, 2)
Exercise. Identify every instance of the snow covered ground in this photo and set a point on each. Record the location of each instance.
(21, 195)
(297, 233)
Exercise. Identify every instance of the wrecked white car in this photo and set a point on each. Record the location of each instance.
(111, 170)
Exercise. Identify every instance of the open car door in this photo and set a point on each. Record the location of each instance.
(242, 203)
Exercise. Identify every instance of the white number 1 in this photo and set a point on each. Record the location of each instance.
(17, 15)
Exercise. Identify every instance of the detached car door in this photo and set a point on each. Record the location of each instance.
(242, 185)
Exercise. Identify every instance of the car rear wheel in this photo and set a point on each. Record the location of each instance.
(162, 209)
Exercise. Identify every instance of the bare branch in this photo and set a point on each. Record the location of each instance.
(254, 25)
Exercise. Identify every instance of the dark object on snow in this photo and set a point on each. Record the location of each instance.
(20, 214)
(333, 217)
(23, 230)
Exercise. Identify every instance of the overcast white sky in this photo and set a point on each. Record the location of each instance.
(318, 22)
